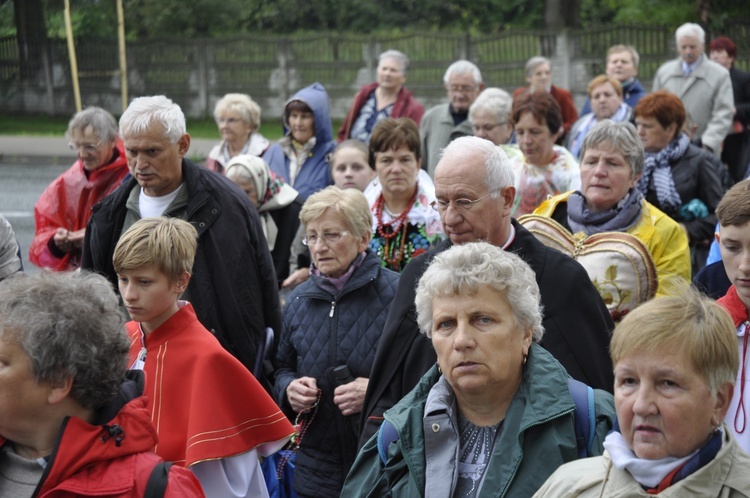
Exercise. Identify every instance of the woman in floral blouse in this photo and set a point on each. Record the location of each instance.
(404, 225)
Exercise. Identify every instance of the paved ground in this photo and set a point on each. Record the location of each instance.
(32, 149)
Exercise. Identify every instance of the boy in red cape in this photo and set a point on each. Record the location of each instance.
(210, 413)
(734, 243)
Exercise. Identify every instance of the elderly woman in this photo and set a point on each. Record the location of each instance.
(386, 98)
(675, 363)
(605, 94)
(350, 168)
(489, 116)
(300, 158)
(539, 76)
(495, 416)
(541, 168)
(736, 150)
(64, 208)
(678, 178)
(278, 205)
(238, 119)
(72, 424)
(609, 202)
(403, 225)
(332, 325)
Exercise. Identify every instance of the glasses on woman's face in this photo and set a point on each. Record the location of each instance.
(328, 238)
(486, 127)
(84, 148)
(441, 205)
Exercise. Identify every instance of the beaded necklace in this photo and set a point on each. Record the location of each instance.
(398, 224)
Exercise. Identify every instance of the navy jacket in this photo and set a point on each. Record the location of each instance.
(320, 332)
(315, 174)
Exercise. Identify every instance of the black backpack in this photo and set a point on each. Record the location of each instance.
(157, 481)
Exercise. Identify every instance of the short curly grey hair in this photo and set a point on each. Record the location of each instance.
(622, 138)
(71, 326)
(144, 112)
(463, 269)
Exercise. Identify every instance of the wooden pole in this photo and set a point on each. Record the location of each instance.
(72, 56)
(123, 55)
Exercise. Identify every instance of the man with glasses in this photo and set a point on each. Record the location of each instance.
(233, 288)
(65, 206)
(475, 193)
(445, 122)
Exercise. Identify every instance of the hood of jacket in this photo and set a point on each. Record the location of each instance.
(120, 429)
(316, 98)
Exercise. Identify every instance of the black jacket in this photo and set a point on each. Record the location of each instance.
(233, 288)
(323, 330)
(576, 322)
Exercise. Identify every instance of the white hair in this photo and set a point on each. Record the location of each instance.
(498, 171)
(143, 112)
(400, 57)
(462, 67)
(463, 269)
(496, 101)
(690, 29)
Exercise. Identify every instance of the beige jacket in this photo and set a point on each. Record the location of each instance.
(727, 476)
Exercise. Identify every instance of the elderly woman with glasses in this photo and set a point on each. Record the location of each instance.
(65, 206)
(675, 364)
(495, 416)
(490, 115)
(331, 327)
(238, 119)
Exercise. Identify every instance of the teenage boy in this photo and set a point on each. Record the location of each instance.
(734, 243)
(210, 413)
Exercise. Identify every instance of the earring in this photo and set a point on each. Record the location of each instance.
(440, 370)
(524, 358)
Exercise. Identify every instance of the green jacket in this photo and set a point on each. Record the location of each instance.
(538, 436)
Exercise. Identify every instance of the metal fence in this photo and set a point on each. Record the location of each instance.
(197, 72)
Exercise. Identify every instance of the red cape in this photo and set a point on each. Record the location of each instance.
(204, 403)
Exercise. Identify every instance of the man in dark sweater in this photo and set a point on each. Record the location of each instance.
(475, 193)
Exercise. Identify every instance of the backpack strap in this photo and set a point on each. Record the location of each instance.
(156, 486)
(387, 434)
(584, 415)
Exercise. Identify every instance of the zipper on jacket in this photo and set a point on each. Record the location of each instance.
(333, 306)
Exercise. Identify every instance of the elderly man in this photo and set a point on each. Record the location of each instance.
(622, 65)
(475, 193)
(445, 122)
(703, 86)
(233, 288)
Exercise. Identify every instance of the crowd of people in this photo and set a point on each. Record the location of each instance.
(468, 300)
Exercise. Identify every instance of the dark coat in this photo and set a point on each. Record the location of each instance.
(233, 287)
(322, 331)
(697, 175)
(576, 322)
(736, 152)
(287, 221)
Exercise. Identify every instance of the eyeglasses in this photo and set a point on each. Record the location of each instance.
(328, 238)
(84, 147)
(462, 88)
(441, 206)
(487, 128)
(221, 121)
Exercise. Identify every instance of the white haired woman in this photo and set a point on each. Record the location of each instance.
(238, 118)
(490, 115)
(675, 364)
(64, 208)
(331, 328)
(387, 97)
(494, 416)
(278, 205)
